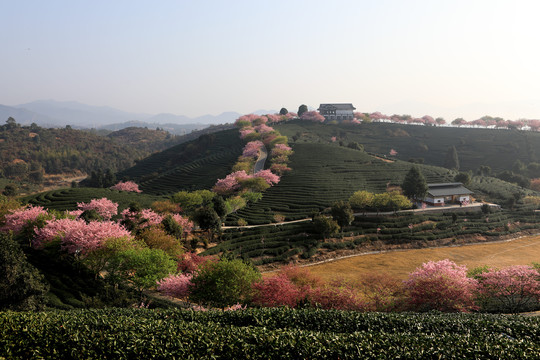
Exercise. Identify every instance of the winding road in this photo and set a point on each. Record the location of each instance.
(259, 165)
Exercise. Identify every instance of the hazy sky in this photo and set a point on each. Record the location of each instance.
(443, 58)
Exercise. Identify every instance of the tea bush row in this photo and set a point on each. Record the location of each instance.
(264, 334)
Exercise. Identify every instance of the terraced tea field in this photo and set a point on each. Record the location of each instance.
(189, 166)
(498, 149)
(323, 174)
(67, 199)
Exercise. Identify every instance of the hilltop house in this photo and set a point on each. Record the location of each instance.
(447, 193)
(337, 111)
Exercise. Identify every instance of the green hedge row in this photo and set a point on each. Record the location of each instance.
(265, 334)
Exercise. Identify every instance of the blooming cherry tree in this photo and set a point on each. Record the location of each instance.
(177, 286)
(441, 285)
(511, 289)
(252, 149)
(19, 218)
(104, 207)
(126, 186)
(268, 176)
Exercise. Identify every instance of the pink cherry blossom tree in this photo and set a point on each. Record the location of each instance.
(143, 218)
(263, 129)
(441, 285)
(252, 149)
(277, 290)
(19, 218)
(177, 286)
(268, 176)
(78, 237)
(512, 289)
(126, 186)
(312, 116)
(186, 224)
(104, 207)
(246, 131)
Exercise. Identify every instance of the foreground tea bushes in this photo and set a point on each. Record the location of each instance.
(264, 334)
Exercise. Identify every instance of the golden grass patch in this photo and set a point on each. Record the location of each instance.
(400, 263)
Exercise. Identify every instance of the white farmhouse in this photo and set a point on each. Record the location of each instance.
(447, 193)
(337, 111)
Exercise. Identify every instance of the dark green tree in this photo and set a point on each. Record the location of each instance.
(172, 228)
(283, 111)
(464, 178)
(414, 185)
(342, 213)
(207, 218)
(22, 287)
(219, 206)
(452, 159)
(325, 226)
(9, 190)
(302, 109)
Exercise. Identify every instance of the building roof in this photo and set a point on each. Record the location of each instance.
(347, 106)
(447, 189)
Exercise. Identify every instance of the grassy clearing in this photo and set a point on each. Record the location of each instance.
(521, 251)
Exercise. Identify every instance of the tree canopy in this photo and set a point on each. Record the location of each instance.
(414, 185)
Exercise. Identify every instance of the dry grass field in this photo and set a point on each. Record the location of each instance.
(399, 263)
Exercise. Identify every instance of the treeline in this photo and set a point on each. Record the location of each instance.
(27, 153)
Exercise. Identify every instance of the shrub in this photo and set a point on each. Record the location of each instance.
(277, 290)
(224, 283)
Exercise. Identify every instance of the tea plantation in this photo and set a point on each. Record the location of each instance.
(265, 334)
(67, 199)
(498, 149)
(189, 166)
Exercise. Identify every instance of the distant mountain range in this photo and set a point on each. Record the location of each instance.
(50, 113)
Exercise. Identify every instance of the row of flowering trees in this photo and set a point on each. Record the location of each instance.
(483, 122)
(243, 183)
(137, 245)
(442, 285)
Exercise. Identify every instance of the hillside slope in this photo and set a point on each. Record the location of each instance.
(498, 149)
(189, 166)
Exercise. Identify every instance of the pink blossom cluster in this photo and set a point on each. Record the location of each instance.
(19, 218)
(268, 176)
(191, 262)
(145, 217)
(515, 286)
(246, 131)
(279, 169)
(312, 116)
(104, 207)
(252, 149)
(186, 224)
(178, 286)
(443, 286)
(126, 186)
(280, 149)
(230, 182)
(263, 129)
(77, 236)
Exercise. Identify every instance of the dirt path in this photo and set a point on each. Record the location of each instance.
(259, 165)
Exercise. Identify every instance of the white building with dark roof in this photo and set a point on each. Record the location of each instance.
(337, 111)
(447, 193)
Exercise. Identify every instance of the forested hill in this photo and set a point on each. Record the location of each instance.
(27, 153)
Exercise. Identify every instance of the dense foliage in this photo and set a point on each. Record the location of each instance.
(29, 152)
(265, 333)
